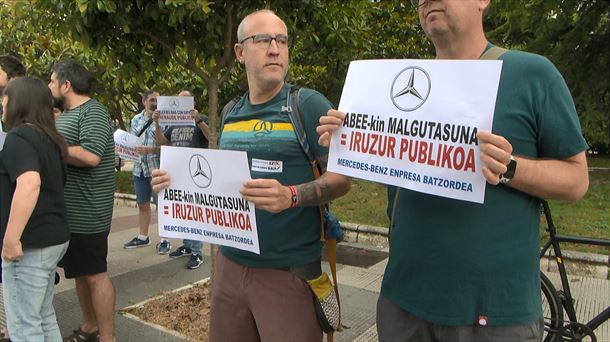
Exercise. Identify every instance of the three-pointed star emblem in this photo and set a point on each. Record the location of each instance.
(200, 171)
(410, 88)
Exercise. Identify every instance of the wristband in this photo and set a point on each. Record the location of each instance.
(198, 121)
(294, 198)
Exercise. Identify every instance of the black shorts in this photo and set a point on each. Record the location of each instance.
(86, 255)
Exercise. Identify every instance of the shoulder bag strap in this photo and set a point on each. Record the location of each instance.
(493, 52)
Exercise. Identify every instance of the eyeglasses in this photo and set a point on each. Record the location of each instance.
(263, 41)
(418, 3)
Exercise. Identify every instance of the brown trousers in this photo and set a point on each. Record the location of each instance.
(260, 304)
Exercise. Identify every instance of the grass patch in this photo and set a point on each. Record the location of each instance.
(590, 217)
(365, 203)
(124, 182)
(599, 161)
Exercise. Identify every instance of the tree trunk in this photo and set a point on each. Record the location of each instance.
(213, 115)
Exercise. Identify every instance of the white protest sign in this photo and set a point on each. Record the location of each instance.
(175, 110)
(203, 200)
(125, 145)
(2, 137)
(413, 124)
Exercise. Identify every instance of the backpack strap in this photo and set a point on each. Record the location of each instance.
(226, 110)
(292, 107)
(493, 52)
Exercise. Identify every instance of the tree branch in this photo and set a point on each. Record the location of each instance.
(228, 42)
(227, 73)
(187, 64)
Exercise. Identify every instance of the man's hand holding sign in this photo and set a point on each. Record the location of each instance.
(175, 110)
(415, 124)
(127, 146)
(199, 197)
(495, 151)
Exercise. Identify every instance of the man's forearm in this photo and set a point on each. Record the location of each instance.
(78, 156)
(566, 179)
(161, 140)
(322, 190)
(204, 128)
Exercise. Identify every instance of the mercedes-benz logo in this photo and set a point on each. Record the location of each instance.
(173, 103)
(124, 138)
(200, 171)
(410, 88)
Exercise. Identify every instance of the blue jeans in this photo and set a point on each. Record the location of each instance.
(143, 190)
(193, 245)
(28, 294)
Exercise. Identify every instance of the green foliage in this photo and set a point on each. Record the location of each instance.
(574, 36)
(172, 44)
(124, 182)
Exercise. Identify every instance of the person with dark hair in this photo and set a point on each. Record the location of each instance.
(10, 67)
(186, 136)
(89, 196)
(142, 127)
(33, 222)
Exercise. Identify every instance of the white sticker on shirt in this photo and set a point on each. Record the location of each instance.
(272, 166)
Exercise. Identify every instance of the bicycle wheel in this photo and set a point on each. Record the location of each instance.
(552, 311)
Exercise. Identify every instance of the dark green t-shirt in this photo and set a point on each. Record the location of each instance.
(264, 131)
(454, 261)
(89, 191)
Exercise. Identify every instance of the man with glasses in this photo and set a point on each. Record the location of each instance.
(461, 271)
(256, 296)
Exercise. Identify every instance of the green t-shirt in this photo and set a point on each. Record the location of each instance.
(454, 261)
(264, 131)
(89, 192)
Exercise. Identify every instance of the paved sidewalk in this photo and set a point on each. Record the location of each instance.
(139, 274)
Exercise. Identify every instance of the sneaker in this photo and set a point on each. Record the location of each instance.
(180, 251)
(194, 262)
(135, 243)
(164, 247)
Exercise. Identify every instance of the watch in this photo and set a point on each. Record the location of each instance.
(198, 121)
(510, 171)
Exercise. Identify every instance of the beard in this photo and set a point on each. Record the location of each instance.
(58, 102)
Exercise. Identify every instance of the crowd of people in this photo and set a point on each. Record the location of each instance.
(441, 282)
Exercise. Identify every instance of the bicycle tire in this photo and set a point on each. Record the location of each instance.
(552, 311)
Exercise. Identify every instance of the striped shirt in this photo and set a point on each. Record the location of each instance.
(89, 191)
(148, 162)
